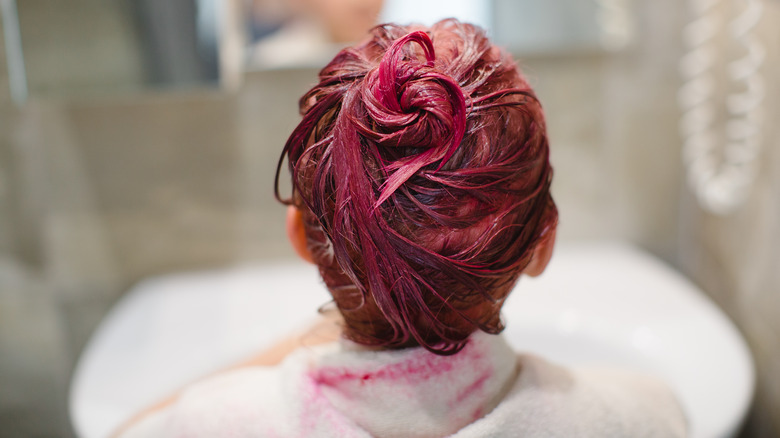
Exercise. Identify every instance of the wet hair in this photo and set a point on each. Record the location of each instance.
(421, 169)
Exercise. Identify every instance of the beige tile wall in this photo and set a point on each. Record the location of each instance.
(100, 193)
(736, 258)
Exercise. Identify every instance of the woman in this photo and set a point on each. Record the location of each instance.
(421, 191)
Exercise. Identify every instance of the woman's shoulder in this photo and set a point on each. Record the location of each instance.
(549, 400)
(252, 401)
(235, 398)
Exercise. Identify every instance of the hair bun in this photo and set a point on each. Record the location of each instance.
(412, 255)
(409, 104)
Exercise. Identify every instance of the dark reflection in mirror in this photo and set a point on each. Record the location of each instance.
(96, 46)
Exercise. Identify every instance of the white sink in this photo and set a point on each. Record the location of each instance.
(597, 304)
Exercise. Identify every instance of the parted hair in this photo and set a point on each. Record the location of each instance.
(421, 168)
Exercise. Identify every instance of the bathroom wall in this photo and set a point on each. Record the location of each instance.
(736, 257)
(33, 360)
(98, 193)
(102, 193)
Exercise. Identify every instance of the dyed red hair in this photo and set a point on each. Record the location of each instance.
(421, 169)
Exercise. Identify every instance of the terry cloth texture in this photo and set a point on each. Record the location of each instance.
(486, 390)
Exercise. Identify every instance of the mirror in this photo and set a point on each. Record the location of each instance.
(295, 33)
(95, 47)
(89, 47)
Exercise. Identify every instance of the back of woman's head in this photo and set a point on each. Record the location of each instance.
(421, 170)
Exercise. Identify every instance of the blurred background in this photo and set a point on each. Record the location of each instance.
(140, 137)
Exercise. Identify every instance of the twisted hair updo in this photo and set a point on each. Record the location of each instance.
(421, 169)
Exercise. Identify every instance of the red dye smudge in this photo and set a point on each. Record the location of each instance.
(474, 388)
(316, 413)
(418, 368)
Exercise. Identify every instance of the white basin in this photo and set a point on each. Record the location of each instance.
(603, 303)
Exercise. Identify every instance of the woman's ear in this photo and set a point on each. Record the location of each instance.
(542, 255)
(296, 232)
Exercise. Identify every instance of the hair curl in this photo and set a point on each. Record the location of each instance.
(421, 168)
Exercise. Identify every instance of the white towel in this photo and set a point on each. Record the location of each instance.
(343, 390)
